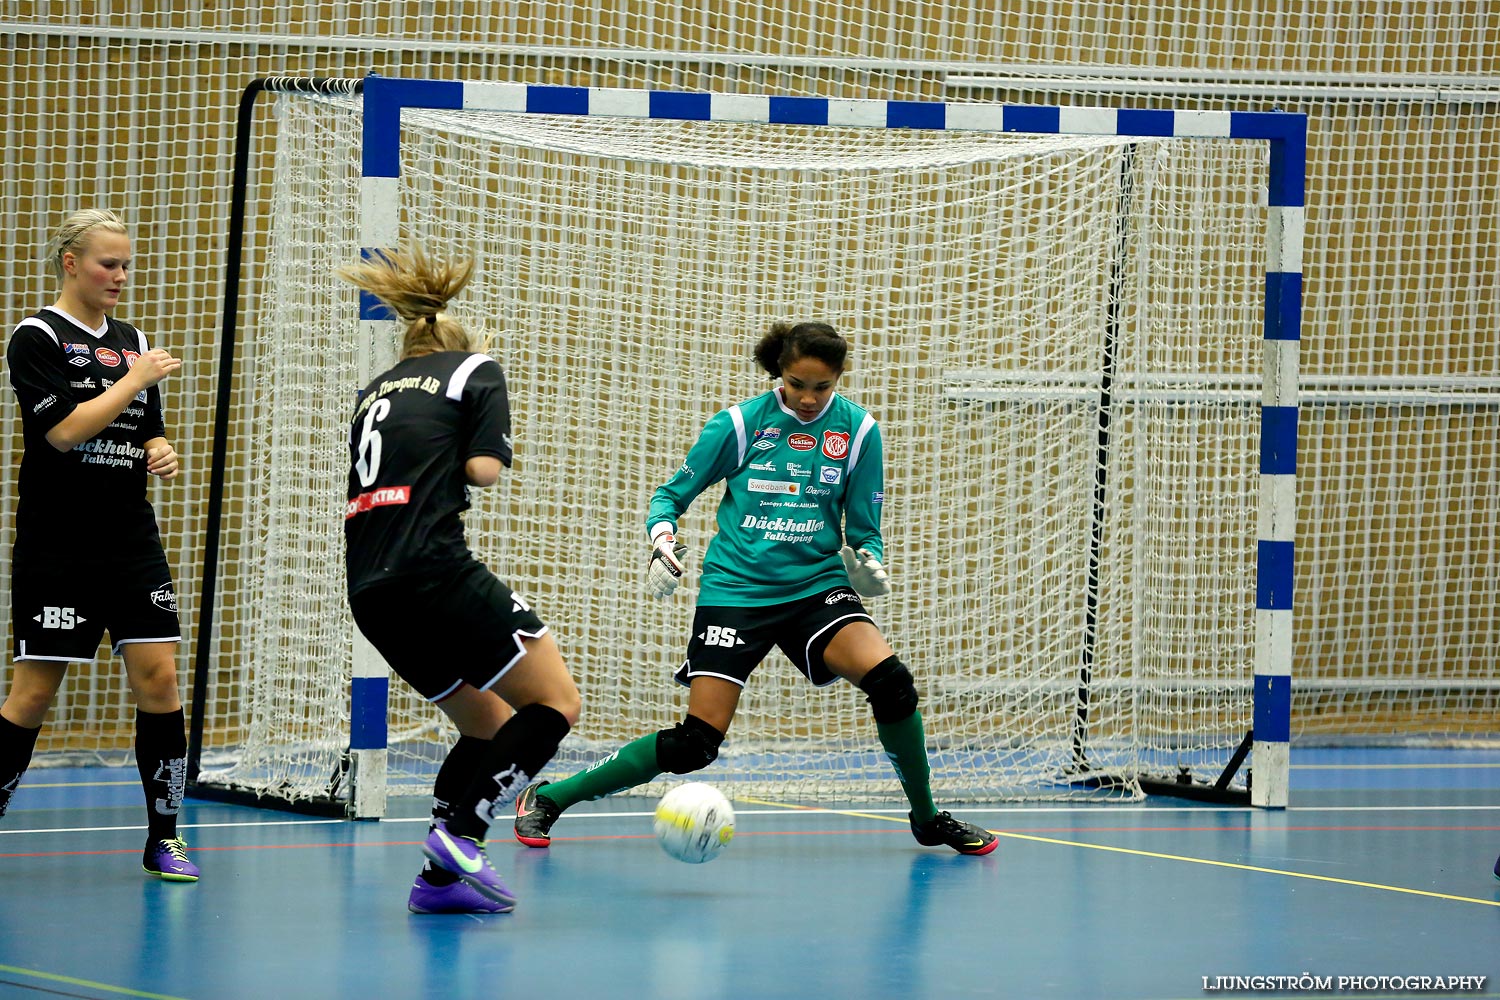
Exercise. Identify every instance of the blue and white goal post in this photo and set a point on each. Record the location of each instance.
(385, 99)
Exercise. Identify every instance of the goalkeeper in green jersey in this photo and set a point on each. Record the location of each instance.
(798, 545)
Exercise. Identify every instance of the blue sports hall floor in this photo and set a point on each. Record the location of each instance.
(1381, 867)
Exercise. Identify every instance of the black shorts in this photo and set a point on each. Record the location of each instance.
(62, 615)
(730, 642)
(443, 631)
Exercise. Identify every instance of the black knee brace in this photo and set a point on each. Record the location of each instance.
(890, 690)
(689, 746)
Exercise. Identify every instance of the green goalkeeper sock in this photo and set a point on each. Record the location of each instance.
(906, 745)
(633, 764)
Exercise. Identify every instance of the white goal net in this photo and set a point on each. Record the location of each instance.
(1068, 600)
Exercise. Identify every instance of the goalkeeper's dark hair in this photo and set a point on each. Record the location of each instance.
(786, 342)
(74, 235)
(417, 288)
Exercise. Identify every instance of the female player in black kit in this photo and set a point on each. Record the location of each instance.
(423, 434)
(88, 555)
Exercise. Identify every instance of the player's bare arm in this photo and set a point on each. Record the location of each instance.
(482, 470)
(93, 415)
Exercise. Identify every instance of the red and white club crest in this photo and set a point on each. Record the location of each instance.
(131, 358)
(107, 357)
(835, 444)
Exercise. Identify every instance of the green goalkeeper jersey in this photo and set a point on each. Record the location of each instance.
(794, 492)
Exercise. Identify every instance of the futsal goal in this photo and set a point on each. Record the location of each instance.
(1077, 327)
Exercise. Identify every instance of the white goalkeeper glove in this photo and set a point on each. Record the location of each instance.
(866, 575)
(665, 569)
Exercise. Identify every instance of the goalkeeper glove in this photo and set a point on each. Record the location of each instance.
(866, 575)
(665, 568)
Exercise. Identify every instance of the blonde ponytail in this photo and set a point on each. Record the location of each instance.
(417, 289)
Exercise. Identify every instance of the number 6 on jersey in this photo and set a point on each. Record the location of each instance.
(368, 462)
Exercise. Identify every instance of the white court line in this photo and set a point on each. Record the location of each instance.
(180, 826)
(818, 811)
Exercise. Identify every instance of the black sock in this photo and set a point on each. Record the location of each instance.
(16, 745)
(457, 774)
(453, 779)
(161, 758)
(521, 748)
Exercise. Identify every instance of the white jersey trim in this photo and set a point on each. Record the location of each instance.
(96, 334)
(33, 321)
(739, 432)
(865, 427)
(781, 402)
(460, 377)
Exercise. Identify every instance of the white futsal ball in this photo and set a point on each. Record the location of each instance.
(694, 822)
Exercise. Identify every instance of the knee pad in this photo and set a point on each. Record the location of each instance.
(689, 746)
(890, 690)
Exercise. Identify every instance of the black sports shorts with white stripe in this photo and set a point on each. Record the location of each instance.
(446, 629)
(729, 642)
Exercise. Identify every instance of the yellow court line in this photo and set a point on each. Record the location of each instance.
(85, 982)
(1172, 857)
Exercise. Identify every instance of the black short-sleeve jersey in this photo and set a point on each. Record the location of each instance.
(414, 427)
(87, 504)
